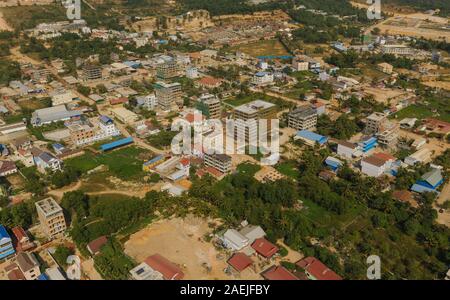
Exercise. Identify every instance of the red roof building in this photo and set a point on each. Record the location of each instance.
(96, 245)
(239, 261)
(264, 247)
(23, 241)
(316, 270)
(210, 82)
(278, 273)
(168, 269)
(117, 101)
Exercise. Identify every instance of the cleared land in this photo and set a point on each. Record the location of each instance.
(262, 48)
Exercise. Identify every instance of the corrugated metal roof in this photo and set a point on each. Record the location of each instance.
(312, 136)
(434, 177)
(116, 144)
(3, 233)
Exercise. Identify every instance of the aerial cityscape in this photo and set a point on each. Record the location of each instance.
(224, 140)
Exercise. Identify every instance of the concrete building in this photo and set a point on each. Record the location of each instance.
(300, 65)
(28, 265)
(147, 102)
(232, 239)
(346, 149)
(385, 131)
(51, 217)
(210, 106)
(385, 68)
(247, 116)
(168, 94)
(397, 50)
(221, 162)
(124, 115)
(377, 164)
(303, 118)
(168, 69)
(375, 122)
(95, 130)
(262, 78)
(92, 72)
(63, 98)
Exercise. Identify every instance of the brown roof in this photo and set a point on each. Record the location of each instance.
(384, 156)
(20, 234)
(317, 269)
(375, 161)
(118, 100)
(210, 81)
(95, 245)
(278, 273)
(264, 247)
(26, 261)
(405, 196)
(346, 144)
(6, 165)
(161, 264)
(239, 261)
(16, 274)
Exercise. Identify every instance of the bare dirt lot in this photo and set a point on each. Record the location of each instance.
(181, 242)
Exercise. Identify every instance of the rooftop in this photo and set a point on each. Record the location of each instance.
(254, 106)
(48, 206)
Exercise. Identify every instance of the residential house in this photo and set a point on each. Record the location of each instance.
(168, 270)
(23, 240)
(278, 273)
(376, 164)
(7, 168)
(46, 161)
(28, 265)
(232, 239)
(346, 149)
(240, 261)
(252, 233)
(310, 138)
(6, 245)
(96, 245)
(316, 270)
(51, 217)
(264, 248)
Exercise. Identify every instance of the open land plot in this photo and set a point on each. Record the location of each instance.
(181, 241)
(263, 48)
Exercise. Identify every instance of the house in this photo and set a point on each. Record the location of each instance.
(421, 156)
(145, 272)
(429, 182)
(346, 149)
(23, 240)
(327, 175)
(239, 261)
(45, 160)
(14, 127)
(385, 68)
(96, 245)
(28, 265)
(264, 248)
(262, 78)
(7, 167)
(6, 245)
(63, 98)
(376, 164)
(278, 273)
(316, 270)
(119, 101)
(124, 115)
(232, 239)
(310, 138)
(168, 270)
(333, 163)
(368, 143)
(405, 196)
(209, 82)
(252, 233)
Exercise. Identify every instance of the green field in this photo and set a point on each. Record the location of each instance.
(262, 48)
(414, 111)
(122, 163)
(289, 169)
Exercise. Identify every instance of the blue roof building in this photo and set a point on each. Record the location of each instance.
(6, 246)
(431, 180)
(115, 144)
(369, 144)
(311, 138)
(333, 163)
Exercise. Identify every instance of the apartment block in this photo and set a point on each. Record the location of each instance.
(385, 131)
(168, 94)
(91, 72)
(168, 69)
(94, 130)
(210, 106)
(221, 162)
(303, 118)
(374, 123)
(51, 217)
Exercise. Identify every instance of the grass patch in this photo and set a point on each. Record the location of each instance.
(262, 48)
(248, 168)
(289, 169)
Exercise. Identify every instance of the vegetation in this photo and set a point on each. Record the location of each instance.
(61, 254)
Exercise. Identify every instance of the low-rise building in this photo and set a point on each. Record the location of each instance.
(7, 167)
(376, 164)
(221, 162)
(147, 102)
(346, 149)
(28, 265)
(45, 160)
(124, 115)
(316, 270)
(262, 78)
(303, 118)
(310, 138)
(51, 217)
(63, 98)
(232, 239)
(96, 129)
(6, 245)
(53, 114)
(385, 68)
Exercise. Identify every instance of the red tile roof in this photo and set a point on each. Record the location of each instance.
(16, 274)
(264, 247)
(169, 270)
(95, 245)
(239, 261)
(118, 101)
(191, 118)
(384, 156)
(20, 234)
(210, 81)
(317, 269)
(185, 161)
(278, 273)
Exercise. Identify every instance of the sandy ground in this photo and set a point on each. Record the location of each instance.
(438, 84)
(437, 146)
(3, 24)
(181, 241)
(386, 95)
(444, 217)
(87, 267)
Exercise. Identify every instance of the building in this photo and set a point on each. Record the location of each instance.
(209, 82)
(385, 68)
(6, 245)
(94, 130)
(376, 164)
(310, 138)
(28, 265)
(7, 167)
(23, 240)
(124, 115)
(316, 270)
(262, 78)
(168, 69)
(63, 98)
(116, 144)
(232, 239)
(397, 50)
(96, 245)
(144, 272)
(92, 72)
(168, 94)
(53, 114)
(51, 217)
(247, 117)
(147, 102)
(429, 182)
(346, 149)
(333, 163)
(168, 270)
(264, 248)
(220, 162)
(252, 233)
(210, 106)
(367, 144)
(303, 118)
(45, 161)
(14, 127)
(192, 72)
(420, 156)
(239, 261)
(374, 123)
(300, 64)
(278, 273)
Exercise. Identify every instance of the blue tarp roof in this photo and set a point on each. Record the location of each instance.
(116, 144)
(309, 135)
(422, 189)
(333, 162)
(153, 160)
(43, 277)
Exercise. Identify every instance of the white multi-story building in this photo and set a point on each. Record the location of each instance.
(148, 102)
(98, 129)
(346, 149)
(262, 78)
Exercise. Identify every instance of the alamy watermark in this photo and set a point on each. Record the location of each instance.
(73, 9)
(374, 268)
(236, 137)
(374, 10)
